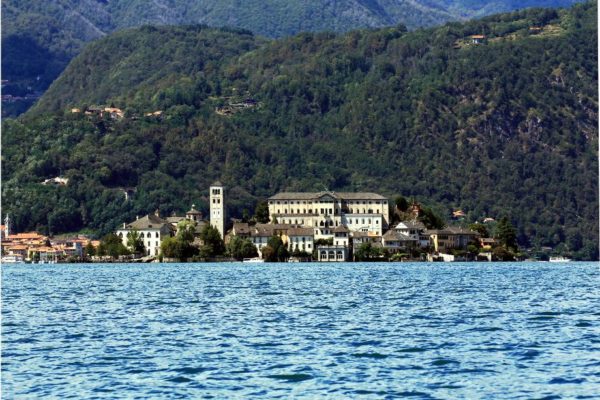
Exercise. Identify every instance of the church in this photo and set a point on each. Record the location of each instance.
(153, 228)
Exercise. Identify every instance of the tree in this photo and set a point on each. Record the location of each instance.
(261, 213)
(401, 203)
(113, 246)
(213, 244)
(181, 246)
(248, 249)
(90, 250)
(300, 253)
(101, 250)
(175, 247)
(135, 242)
(472, 249)
(186, 230)
(479, 228)
(502, 254)
(239, 248)
(275, 250)
(367, 252)
(169, 247)
(430, 219)
(268, 254)
(506, 234)
(245, 215)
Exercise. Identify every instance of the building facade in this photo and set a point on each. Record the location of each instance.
(152, 230)
(324, 211)
(444, 240)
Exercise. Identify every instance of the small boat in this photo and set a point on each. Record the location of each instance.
(559, 259)
(253, 260)
(12, 259)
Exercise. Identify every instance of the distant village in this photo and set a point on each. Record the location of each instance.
(322, 226)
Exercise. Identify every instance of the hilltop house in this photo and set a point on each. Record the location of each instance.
(477, 39)
(56, 181)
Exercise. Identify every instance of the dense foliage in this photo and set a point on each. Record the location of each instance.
(275, 250)
(368, 252)
(181, 246)
(504, 128)
(40, 37)
(239, 248)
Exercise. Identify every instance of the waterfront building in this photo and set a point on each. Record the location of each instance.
(152, 230)
(28, 246)
(414, 229)
(442, 240)
(217, 207)
(341, 236)
(299, 239)
(291, 235)
(332, 253)
(259, 235)
(396, 242)
(324, 211)
(359, 238)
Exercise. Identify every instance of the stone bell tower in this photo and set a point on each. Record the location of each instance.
(217, 207)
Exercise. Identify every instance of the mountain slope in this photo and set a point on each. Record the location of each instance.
(506, 127)
(40, 38)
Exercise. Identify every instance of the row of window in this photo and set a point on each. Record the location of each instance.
(326, 211)
(143, 236)
(304, 246)
(328, 224)
(362, 221)
(332, 255)
(327, 202)
(298, 239)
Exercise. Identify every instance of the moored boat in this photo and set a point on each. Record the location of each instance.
(12, 259)
(253, 260)
(559, 259)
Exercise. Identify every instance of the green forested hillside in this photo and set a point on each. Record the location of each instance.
(506, 127)
(39, 38)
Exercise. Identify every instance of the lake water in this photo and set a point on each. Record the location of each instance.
(226, 331)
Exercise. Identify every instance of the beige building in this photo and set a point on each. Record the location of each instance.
(449, 238)
(324, 211)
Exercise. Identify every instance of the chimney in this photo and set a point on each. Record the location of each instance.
(123, 225)
(157, 213)
(137, 217)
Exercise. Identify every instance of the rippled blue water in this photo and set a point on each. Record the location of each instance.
(301, 330)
